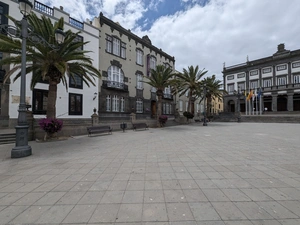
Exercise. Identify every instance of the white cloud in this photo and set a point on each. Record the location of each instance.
(221, 31)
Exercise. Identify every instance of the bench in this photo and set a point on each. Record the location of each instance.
(139, 126)
(98, 130)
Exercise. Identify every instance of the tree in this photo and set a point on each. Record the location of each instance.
(160, 79)
(189, 82)
(51, 61)
(213, 91)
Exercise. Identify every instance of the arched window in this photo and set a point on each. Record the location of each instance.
(115, 103)
(115, 77)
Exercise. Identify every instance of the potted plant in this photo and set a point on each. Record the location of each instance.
(162, 120)
(50, 126)
(188, 115)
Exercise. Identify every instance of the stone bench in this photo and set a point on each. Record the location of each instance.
(139, 126)
(99, 130)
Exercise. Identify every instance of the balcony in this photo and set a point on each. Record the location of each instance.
(114, 85)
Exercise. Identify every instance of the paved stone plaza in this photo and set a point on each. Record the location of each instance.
(223, 174)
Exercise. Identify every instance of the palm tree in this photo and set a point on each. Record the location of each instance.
(213, 91)
(52, 62)
(189, 82)
(160, 79)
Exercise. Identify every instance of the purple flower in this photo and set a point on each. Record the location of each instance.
(51, 125)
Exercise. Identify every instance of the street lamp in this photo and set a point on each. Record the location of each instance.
(204, 111)
(238, 94)
(22, 149)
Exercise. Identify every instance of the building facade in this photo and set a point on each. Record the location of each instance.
(124, 59)
(125, 62)
(73, 105)
(277, 76)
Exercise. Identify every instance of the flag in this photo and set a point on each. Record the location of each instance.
(259, 93)
(249, 95)
(254, 95)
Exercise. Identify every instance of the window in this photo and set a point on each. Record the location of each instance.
(241, 75)
(75, 81)
(115, 103)
(139, 57)
(180, 105)
(139, 81)
(139, 106)
(281, 81)
(115, 76)
(241, 86)
(123, 50)
(167, 92)
(167, 108)
(267, 70)
(254, 72)
(115, 46)
(281, 67)
(267, 82)
(3, 12)
(253, 84)
(122, 109)
(296, 64)
(186, 105)
(231, 77)
(79, 38)
(152, 62)
(39, 100)
(296, 79)
(153, 89)
(75, 104)
(230, 88)
(108, 103)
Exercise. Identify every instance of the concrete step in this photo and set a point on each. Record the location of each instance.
(7, 138)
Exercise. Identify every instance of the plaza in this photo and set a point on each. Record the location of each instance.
(222, 174)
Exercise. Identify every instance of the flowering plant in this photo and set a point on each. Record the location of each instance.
(163, 119)
(51, 126)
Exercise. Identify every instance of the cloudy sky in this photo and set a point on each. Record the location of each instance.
(202, 32)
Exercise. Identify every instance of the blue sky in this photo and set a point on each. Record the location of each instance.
(207, 33)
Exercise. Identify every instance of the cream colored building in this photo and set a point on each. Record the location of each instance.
(125, 61)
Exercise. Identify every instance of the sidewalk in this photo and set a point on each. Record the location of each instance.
(222, 174)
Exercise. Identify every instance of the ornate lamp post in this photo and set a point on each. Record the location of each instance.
(238, 94)
(204, 111)
(22, 149)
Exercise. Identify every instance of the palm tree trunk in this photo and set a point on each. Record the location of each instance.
(159, 102)
(51, 103)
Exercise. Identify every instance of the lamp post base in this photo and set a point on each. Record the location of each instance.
(21, 151)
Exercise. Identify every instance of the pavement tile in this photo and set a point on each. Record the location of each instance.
(112, 197)
(80, 214)
(154, 196)
(235, 195)
(174, 196)
(204, 211)
(70, 198)
(55, 215)
(130, 213)
(91, 197)
(290, 221)
(253, 211)
(293, 206)
(194, 195)
(155, 212)
(133, 197)
(228, 211)
(9, 213)
(215, 195)
(30, 215)
(179, 212)
(277, 211)
(105, 213)
(50, 198)
(29, 198)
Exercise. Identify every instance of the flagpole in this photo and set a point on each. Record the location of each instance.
(245, 97)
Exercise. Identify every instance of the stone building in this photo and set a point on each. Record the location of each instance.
(277, 76)
(125, 62)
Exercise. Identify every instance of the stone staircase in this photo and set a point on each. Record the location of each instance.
(7, 136)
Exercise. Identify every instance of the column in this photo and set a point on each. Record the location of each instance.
(290, 103)
(274, 103)
(274, 79)
(289, 81)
